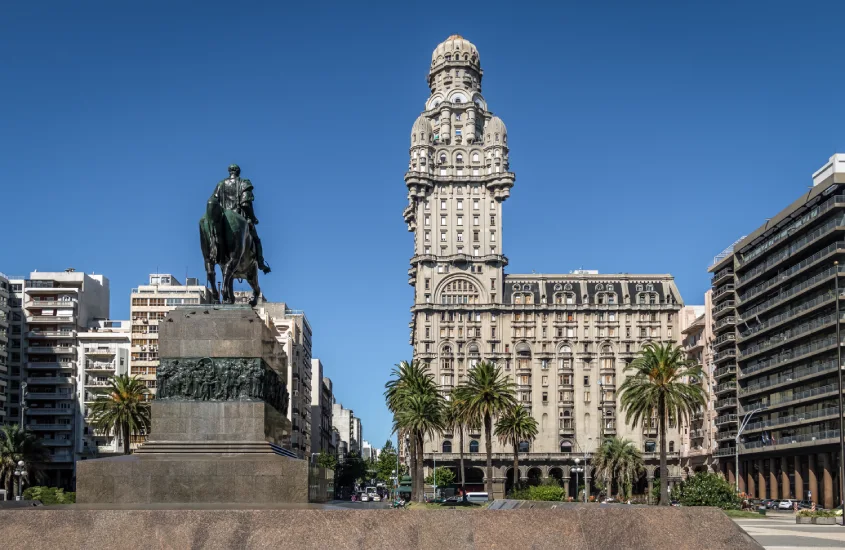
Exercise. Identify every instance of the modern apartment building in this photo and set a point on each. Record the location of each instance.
(103, 351)
(344, 421)
(57, 308)
(293, 332)
(149, 305)
(699, 434)
(564, 339)
(774, 313)
(321, 409)
(5, 305)
(16, 350)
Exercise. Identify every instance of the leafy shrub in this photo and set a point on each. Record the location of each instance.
(49, 495)
(706, 489)
(550, 491)
(817, 514)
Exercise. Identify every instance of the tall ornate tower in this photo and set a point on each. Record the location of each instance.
(458, 177)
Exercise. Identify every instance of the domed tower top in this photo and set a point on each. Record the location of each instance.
(495, 132)
(421, 134)
(455, 48)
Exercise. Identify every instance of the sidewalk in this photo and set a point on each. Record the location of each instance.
(780, 532)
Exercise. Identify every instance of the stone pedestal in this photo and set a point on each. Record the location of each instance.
(219, 429)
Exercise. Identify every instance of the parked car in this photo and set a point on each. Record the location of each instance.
(477, 497)
(786, 504)
(375, 498)
(364, 497)
(766, 502)
(805, 505)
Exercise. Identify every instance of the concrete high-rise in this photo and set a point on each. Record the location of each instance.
(774, 315)
(698, 441)
(150, 304)
(5, 306)
(321, 409)
(564, 339)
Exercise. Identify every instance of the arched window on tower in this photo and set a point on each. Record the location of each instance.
(459, 291)
(447, 446)
(475, 157)
(442, 158)
(459, 158)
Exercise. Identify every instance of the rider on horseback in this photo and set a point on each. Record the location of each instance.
(235, 193)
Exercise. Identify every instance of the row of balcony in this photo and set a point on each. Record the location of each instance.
(821, 414)
(48, 395)
(52, 350)
(790, 271)
(728, 337)
(44, 365)
(723, 436)
(773, 241)
(723, 291)
(44, 411)
(721, 275)
(816, 438)
(41, 380)
(724, 451)
(790, 314)
(51, 334)
(49, 427)
(727, 321)
(724, 371)
(724, 403)
(794, 354)
(790, 335)
(796, 375)
(795, 397)
(724, 307)
(725, 354)
(726, 419)
(49, 319)
(727, 386)
(816, 279)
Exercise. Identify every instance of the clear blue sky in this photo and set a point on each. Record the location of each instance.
(646, 137)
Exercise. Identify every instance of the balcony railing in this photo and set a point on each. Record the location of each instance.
(790, 334)
(791, 291)
(725, 419)
(50, 303)
(790, 378)
(724, 371)
(43, 411)
(793, 419)
(727, 402)
(729, 337)
(781, 400)
(729, 320)
(724, 306)
(787, 231)
(49, 427)
(727, 386)
(725, 451)
(50, 365)
(791, 313)
(722, 291)
(727, 272)
(730, 352)
(49, 395)
(817, 437)
(789, 272)
(792, 355)
(35, 380)
(722, 436)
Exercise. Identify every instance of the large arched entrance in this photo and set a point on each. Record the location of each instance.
(475, 479)
(557, 475)
(535, 477)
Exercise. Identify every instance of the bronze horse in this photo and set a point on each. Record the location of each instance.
(227, 241)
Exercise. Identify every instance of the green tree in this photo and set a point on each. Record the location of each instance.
(351, 469)
(489, 393)
(126, 411)
(327, 460)
(386, 463)
(445, 476)
(417, 406)
(660, 385)
(49, 495)
(618, 460)
(16, 445)
(514, 426)
(456, 418)
(706, 489)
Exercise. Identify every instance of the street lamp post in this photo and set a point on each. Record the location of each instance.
(742, 426)
(20, 473)
(434, 473)
(577, 469)
(841, 408)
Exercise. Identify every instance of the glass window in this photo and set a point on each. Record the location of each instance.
(447, 446)
(473, 446)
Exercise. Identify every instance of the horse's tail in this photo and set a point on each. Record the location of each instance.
(208, 241)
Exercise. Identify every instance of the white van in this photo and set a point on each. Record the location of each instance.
(477, 497)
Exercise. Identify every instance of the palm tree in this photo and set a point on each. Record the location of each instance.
(417, 406)
(618, 460)
(16, 445)
(457, 418)
(125, 411)
(660, 386)
(489, 393)
(515, 426)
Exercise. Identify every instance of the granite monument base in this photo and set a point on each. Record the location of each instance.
(579, 527)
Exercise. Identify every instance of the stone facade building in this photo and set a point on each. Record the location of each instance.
(321, 410)
(774, 321)
(5, 306)
(148, 306)
(564, 339)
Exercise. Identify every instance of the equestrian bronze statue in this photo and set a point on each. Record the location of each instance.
(229, 239)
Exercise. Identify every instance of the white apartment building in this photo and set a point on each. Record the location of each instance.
(57, 307)
(102, 352)
(5, 297)
(343, 420)
(149, 305)
(293, 332)
(698, 437)
(321, 409)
